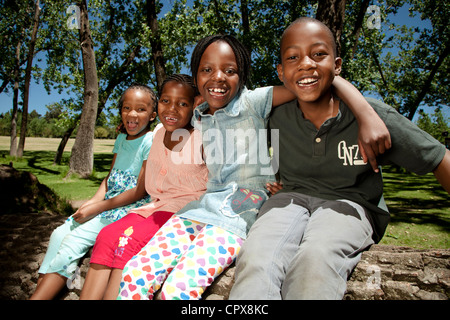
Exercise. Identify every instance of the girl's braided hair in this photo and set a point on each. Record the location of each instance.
(242, 56)
(181, 78)
(137, 86)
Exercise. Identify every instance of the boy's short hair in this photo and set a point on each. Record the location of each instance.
(309, 19)
(242, 56)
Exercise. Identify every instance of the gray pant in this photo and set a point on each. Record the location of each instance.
(301, 247)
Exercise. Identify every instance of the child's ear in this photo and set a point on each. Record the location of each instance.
(153, 116)
(280, 72)
(198, 100)
(337, 66)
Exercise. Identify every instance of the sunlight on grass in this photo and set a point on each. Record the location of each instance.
(420, 210)
(40, 163)
(51, 144)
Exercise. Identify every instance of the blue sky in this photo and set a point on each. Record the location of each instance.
(39, 98)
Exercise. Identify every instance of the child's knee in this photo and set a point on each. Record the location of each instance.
(186, 288)
(106, 238)
(313, 251)
(254, 250)
(59, 233)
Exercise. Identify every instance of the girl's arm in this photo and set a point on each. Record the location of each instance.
(127, 197)
(374, 138)
(281, 95)
(102, 189)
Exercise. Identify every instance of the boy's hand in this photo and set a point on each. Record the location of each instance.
(373, 139)
(373, 136)
(274, 187)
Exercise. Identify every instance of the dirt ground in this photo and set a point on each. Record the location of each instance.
(23, 243)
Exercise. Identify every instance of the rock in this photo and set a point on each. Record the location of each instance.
(384, 272)
(400, 273)
(20, 191)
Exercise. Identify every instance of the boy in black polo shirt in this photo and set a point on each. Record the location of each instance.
(310, 235)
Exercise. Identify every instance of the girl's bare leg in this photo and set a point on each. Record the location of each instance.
(39, 280)
(49, 286)
(96, 282)
(112, 291)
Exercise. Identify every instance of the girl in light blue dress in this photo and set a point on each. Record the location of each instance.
(122, 190)
(205, 236)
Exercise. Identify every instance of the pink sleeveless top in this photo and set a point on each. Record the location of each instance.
(173, 178)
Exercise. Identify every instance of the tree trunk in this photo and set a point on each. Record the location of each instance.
(332, 12)
(246, 34)
(157, 52)
(358, 25)
(246, 26)
(13, 145)
(426, 86)
(26, 94)
(120, 76)
(82, 158)
(64, 140)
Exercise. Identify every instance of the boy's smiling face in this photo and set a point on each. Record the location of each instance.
(308, 63)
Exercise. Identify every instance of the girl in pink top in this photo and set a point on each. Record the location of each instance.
(175, 175)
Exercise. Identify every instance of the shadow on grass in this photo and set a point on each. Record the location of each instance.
(416, 199)
(102, 161)
(41, 163)
(431, 217)
(41, 157)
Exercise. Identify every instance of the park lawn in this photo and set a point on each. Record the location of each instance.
(40, 163)
(419, 207)
(420, 210)
(38, 159)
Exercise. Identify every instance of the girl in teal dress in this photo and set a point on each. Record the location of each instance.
(120, 191)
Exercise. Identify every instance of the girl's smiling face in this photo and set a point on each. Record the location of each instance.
(217, 78)
(137, 111)
(175, 106)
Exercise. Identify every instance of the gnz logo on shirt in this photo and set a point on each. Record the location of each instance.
(350, 155)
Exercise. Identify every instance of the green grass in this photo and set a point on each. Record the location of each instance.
(38, 159)
(419, 206)
(420, 210)
(40, 163)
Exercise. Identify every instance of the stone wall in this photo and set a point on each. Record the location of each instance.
(393, 273)
(384, 273)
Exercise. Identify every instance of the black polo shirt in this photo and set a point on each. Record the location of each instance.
(326, 162)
